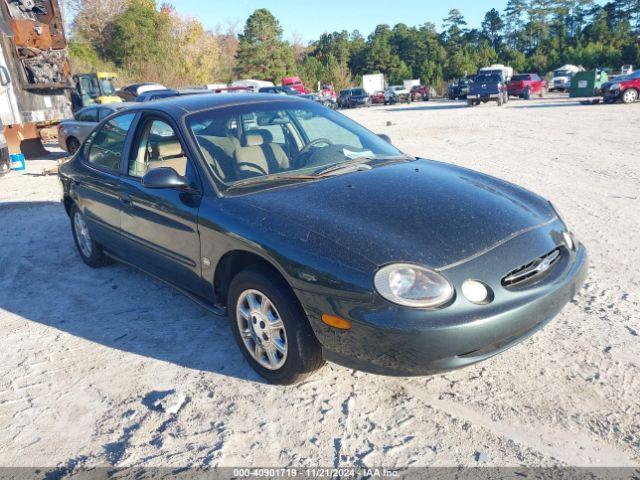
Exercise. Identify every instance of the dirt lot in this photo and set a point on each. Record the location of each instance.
(110, 367)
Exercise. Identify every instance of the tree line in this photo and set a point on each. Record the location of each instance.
(144, 42)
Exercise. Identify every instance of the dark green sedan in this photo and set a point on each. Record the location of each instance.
(318, 239)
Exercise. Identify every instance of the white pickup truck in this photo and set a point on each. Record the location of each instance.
(562, 76)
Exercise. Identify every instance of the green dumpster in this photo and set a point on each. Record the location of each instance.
(587, 84)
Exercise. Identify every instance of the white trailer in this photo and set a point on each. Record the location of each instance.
(374, 83)
(408, 84)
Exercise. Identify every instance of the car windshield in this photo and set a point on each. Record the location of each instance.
(519, 78)
(488, 79)
(358, 91)
(631, 76)
(562, 73)
(107, 87)
(282, 140)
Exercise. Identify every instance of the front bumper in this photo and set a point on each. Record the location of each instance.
(391, 340)
(611, 95)
(483, 96)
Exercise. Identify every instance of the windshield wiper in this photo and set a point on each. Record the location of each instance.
(356, 164)
(268, 179)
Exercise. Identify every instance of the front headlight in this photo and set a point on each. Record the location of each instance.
(614, 86)
(413, 286)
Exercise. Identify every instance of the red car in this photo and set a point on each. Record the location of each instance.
(625, 88)
(526, 84)
(377, 98)
(294, 82)
(419, 93)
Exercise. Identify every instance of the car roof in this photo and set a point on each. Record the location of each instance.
(111, 106)
(186, 104)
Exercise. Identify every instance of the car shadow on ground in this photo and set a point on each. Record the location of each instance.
(44, 280)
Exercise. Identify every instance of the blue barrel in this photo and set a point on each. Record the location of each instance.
(17, 162)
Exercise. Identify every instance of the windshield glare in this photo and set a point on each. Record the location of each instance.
(271, 139)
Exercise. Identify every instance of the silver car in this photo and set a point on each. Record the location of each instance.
(72, 132)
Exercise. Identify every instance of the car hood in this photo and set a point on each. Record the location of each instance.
(419, 211)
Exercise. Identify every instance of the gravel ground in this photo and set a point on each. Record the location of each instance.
(109, 367)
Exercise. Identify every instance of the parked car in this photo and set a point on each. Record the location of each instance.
(317, 239)
(280, 90)
(250, 84)
(294, 82)
(487, 88)
(72, 132)
(354, 97)
(419, 93)
(377, 98)
(130, 92)
(156, 95)
(526, 84)
(327, 91)
(459, 89)
(397, 94)
(625, 88)
(317, 97)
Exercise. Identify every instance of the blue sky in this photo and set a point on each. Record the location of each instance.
(309, 19)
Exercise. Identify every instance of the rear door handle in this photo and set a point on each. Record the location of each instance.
(126, 200)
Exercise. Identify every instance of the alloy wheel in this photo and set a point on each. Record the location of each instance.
(261, 329)
(630, 96)
(82, 234)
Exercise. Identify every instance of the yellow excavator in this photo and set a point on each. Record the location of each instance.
(93, 88)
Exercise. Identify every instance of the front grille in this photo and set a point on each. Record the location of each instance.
(534, 270)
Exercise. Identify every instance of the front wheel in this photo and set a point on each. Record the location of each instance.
(271, 328)
(630, 96)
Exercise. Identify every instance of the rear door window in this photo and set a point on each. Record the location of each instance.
(107, 143)
(88, 115)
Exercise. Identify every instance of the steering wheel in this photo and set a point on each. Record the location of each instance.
(313, 143)
(261, 170)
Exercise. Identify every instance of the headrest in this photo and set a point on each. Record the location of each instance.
(169, 149)
(252, 139)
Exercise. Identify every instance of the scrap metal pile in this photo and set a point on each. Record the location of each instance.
(39, 42)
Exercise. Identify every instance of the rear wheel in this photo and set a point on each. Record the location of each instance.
(271, 327)
(73, 145)
(629, 96)
(90, 252)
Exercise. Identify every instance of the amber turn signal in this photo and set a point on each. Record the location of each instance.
(336, 322)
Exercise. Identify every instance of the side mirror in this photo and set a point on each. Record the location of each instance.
(164, 177)
(385, 137)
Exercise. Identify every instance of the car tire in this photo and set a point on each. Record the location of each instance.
(90, 252)
(629, 96)
(280, 346)
(527, 94)
(73, 145)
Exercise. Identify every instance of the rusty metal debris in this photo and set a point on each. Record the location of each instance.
(39, 42)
